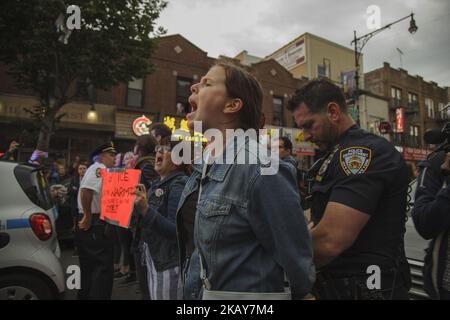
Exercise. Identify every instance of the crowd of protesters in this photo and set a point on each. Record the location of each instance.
(219, 231)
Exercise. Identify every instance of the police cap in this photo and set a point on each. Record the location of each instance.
(106, 147)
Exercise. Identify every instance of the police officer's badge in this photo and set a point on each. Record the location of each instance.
(355, 160)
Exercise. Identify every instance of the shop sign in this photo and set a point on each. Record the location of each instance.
(415, 154)
(141, 125)
(181, 130)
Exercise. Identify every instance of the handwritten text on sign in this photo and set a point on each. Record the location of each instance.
(117, 198)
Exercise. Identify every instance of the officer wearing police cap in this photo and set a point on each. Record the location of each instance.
(93, 235)
(358, 201)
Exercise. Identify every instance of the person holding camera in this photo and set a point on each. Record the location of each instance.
(431, 216)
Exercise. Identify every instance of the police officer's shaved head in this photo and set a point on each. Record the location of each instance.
(317, 94)
(319, 109)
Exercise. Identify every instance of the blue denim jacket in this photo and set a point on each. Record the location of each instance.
(249, 228)
(158, 225)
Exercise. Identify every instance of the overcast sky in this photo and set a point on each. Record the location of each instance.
(262, 26)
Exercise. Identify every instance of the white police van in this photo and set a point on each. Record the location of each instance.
(29, 251)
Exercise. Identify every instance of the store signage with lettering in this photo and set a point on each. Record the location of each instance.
(180, 129)
(415, 154)
(306, 151)
(15, 107)
(297, 136)
(292, 55)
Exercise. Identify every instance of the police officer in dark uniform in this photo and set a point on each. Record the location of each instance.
(358, 204)
(94, 236)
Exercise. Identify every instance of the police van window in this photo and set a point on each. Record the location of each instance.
(33, 183)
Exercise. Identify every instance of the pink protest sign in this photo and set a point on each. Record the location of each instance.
(117, 201)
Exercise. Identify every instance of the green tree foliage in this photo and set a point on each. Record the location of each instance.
(114, 44)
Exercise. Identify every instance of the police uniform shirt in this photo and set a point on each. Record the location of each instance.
(367, 173)
(92, 180)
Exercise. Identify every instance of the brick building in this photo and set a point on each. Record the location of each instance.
(161, 96)
(415, 105)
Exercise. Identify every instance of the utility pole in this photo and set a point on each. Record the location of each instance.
(360, 42)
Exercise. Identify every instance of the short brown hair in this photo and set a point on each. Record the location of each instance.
(160, 130)
(240, 84)
(145, 145)
(317, 94)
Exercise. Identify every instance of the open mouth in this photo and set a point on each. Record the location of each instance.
(158, 160)
(193, 107)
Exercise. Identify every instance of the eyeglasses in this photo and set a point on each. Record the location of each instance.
(163, 149)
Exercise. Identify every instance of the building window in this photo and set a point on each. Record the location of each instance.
(429, 105)
(396, 93)
(321, 71)
(278, 111)
(414, 135)
(183, 93)
(396, 97)
(413, 104)
(412, 97)
(135, 93)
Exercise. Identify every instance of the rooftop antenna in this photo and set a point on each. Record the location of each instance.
(400, 53)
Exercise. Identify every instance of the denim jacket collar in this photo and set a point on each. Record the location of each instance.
(218, 171)
(169, 177)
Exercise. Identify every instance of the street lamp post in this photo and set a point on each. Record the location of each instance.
(360, 42)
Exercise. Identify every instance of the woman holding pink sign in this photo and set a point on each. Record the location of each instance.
(158, 210)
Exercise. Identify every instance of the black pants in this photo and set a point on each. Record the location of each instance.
(126, 241)
(96, 254)
(328, 287)
(117, 248)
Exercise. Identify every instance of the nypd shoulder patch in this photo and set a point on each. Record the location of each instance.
(355, 160)
(98, 173)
